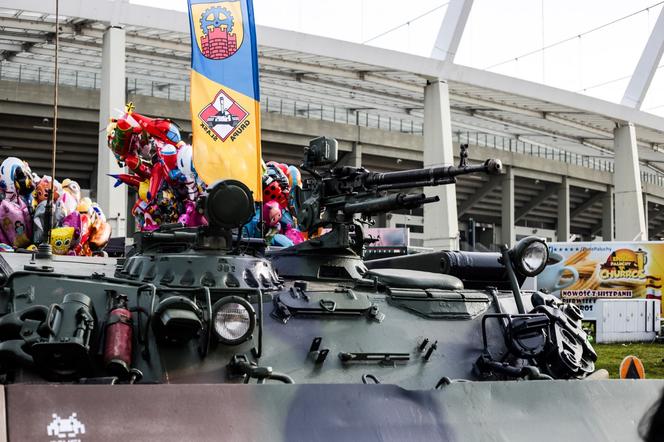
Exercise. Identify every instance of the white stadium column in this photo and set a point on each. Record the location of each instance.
(508, 218)
(356, 155)
(645, 212)
(607, 215)
(630, 219)
(441, 228)
(111, 99)
(562, 226)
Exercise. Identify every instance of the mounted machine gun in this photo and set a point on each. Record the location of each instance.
(333, 196)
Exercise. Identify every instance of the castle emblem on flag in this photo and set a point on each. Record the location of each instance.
(220, 33)
(224, 116)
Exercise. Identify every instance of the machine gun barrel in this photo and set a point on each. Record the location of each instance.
(388, 203)
(431, 176)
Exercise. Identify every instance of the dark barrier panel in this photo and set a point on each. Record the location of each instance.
(498, 411)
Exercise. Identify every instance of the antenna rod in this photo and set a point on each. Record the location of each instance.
(51, 193)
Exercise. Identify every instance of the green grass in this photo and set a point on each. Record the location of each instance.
(609, 357)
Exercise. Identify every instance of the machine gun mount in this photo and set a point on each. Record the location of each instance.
(333, 196)
(343, 199)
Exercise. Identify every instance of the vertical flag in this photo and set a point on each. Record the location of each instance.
(225, 102)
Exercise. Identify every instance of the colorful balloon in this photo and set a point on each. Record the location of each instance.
(62, 239)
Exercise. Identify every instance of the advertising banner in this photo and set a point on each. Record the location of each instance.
(390, 241)
(584, 272)
(388, 236)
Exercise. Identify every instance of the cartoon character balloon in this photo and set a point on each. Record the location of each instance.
(71, 195)
(15, 218)
(62, 240)
(15, 178)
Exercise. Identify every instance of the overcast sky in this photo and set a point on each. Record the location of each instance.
(598, 63)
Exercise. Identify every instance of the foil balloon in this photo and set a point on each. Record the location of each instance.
(72, 188)
(42, 189)
(161, 169)
(98, 213)
(294, 177)
(281, 240)
(119, 133)
(288, 228)
(73, 220)
(272, 214)
(39, 219)
(162, 129)
(185, 162)
(68, 203)
(8, 170)
(191, 216)
(15, 223)
(24, 197)
(165, 164)
(100, 232)
(186, 173)
(280, 185)
(24, 183)
(62, 239)
(86, 212)
(252, 228)
(85, 205)
(294, 235)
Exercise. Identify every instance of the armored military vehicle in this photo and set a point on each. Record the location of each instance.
(207, 306)
(209, 298)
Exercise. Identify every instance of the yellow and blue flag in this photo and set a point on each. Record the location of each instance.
(225, 101)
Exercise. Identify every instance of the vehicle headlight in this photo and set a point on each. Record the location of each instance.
(233, 319)
(530, 256)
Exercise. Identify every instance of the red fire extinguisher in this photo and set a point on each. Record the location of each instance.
(118, 343)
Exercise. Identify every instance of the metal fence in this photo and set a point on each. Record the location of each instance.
(335, 114)
(547, 153)
(137, 85)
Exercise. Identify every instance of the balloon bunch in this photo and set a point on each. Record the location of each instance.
(162, 170)
(79, 226)
(280, 182)
(167, 185)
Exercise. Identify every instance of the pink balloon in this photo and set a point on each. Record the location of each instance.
(15, 222)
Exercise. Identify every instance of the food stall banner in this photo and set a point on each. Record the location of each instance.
(587, 271)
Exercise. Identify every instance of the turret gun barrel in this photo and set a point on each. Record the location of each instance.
(432, 176)
(389, 203)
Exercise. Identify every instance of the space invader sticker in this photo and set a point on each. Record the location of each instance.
(65, 430)
(223, 117)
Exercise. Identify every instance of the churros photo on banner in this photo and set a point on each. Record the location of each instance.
(587, 271)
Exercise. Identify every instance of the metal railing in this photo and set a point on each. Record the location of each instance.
(319, 111)
(549, 153)
(137, 85)
(652, 178)
(536, 150)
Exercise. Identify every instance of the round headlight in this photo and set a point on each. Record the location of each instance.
(530, 256)
(233, 319)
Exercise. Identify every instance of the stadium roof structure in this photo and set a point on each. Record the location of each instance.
(321, 70)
